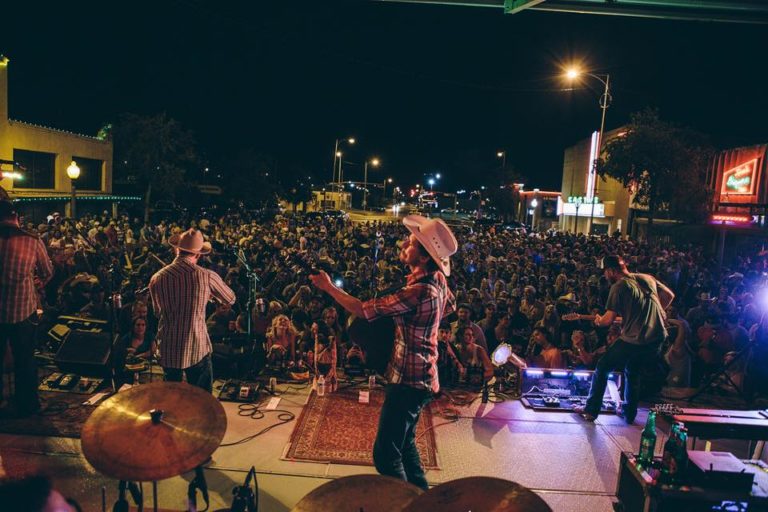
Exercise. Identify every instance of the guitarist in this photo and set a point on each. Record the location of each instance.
(640, 301)
(417, 310)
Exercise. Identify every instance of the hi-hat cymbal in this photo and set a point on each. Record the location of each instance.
(479, 494)
(369, 493)
(123, 441)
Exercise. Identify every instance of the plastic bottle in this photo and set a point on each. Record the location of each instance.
(648, 441)
(321, 386)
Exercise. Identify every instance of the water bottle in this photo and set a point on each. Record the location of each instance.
(321, 386)
(648, 441)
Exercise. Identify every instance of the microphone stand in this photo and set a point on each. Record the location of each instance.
(253, 283)
(115, 304)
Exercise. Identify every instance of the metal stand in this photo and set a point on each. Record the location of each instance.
(253, 285)
(121, 505)
(723, 372)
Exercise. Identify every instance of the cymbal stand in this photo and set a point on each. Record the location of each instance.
(121, 505)
(197, 483)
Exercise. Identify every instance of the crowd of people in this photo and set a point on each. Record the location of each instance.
(534, 292)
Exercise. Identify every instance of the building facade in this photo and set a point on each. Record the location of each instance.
(35, 161)
(589, 203)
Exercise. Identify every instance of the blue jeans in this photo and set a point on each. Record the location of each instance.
(200, 374)
(21, 335)
(394, 451)
(629, 356)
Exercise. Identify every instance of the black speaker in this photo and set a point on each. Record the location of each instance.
(85, 353)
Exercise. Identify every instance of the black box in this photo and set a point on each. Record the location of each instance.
(719, 470)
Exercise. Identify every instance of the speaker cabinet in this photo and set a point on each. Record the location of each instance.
(85, 353)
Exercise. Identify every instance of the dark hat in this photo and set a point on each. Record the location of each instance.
(464, 305)
(613, 261)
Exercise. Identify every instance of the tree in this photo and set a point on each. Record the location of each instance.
(665, 165)
(504, 195)
(250, 178)
(154, 152)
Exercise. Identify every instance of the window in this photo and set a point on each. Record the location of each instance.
(90, 173)
(40, 168)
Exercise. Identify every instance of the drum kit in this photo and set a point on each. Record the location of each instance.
(164, 429)
(153, 432)
(376, 493)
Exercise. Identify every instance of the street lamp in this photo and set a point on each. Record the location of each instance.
(73, 171)
(384, 190)
(503, 156)
(337, 155)
(534, 204)
(605, 101)
(431, 182)
(374, 162)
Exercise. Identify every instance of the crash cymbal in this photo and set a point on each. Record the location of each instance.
(367, 493)
(153, 431)
(479, 494)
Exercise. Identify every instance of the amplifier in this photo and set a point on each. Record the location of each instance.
(561, 390)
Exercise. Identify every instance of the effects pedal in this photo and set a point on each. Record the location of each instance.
(239, 391)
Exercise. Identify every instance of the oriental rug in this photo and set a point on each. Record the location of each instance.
(337, 428)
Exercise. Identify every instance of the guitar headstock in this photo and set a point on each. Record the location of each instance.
(570, 317)
(304, 261)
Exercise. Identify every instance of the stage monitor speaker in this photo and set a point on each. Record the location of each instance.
(85, 353)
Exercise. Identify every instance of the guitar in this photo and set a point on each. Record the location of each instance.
(571, 317)
(376, 339)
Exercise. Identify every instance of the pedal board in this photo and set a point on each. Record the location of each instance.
(239, 391)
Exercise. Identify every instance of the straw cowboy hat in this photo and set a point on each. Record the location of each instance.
(190, 241)
(435, 237)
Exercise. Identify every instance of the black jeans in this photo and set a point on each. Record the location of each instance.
(21, 335)
(629, 356)
(200, 374)
(394, 451)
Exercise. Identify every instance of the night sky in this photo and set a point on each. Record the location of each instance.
(427, 88)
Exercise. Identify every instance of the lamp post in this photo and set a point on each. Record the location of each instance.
(73, 171)
(384, 190)
(534, 204)
(374, 162)
(605, 100)
(503, 155)
(337, 155)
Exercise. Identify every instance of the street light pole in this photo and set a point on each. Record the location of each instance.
(73, 171)
(374, 162)
(337, 155)
(503, 156)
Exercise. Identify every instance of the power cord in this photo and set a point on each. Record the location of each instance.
(257, 412)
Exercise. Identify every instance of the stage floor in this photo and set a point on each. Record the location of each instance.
(571, 464)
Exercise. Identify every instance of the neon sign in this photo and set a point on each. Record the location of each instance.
(740, 180)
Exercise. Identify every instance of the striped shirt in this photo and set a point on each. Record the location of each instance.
(22, 258)
(417, 310)
(180, 292)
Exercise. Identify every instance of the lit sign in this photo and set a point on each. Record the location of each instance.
(581, 210)
(740, 180)
(583, 200)
(734, 219)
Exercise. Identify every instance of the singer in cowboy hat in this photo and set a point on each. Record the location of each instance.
(417, 310)
(180, 292)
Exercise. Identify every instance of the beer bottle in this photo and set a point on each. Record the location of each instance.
(648, 441)
(668, 459)
(681, 455)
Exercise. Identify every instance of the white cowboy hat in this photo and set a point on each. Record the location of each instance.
(190, 241)
(436, 237)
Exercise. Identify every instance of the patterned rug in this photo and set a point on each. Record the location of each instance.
(62, 415)
(337, 428)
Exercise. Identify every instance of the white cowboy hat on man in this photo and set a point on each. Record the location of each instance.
(436, 237)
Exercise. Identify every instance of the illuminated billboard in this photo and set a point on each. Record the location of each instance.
(740, 180)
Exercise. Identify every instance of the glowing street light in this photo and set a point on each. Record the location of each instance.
(73, 172)
(337, 158)
(374, 162)
(572, 74)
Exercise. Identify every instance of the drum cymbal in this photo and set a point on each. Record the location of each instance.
(122, 440)
(371, 493)
(479, 494)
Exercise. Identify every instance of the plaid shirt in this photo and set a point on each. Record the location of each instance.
(417, 310)
(180, 292)
(22, 258)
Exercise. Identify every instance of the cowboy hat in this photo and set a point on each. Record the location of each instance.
(436, 237)
(190, 241)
